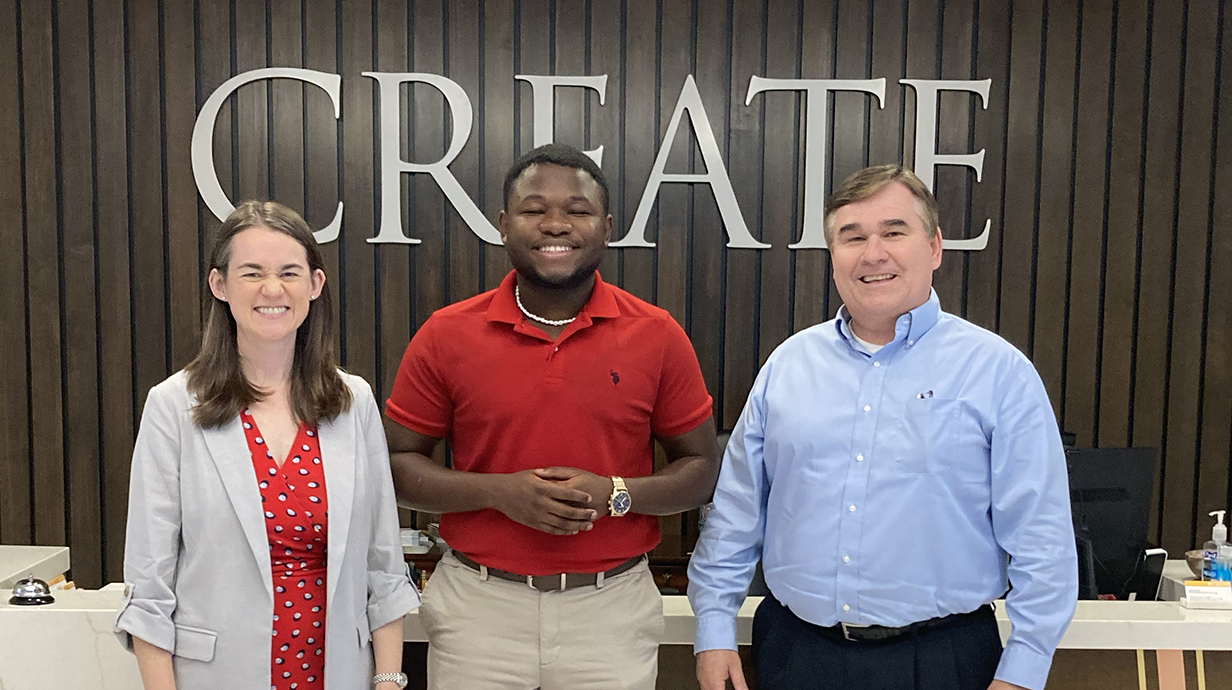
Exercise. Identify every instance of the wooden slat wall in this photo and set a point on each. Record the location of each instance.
(1108, 139)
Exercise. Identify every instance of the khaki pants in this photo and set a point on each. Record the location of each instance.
(500, 635)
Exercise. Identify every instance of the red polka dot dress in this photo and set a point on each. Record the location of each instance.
(296, 520)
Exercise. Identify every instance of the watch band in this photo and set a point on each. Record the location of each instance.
(398, 679)
(618, 488)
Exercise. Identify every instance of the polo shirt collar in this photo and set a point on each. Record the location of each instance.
(910, 326)
(503, 308)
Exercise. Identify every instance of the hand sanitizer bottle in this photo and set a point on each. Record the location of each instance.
(1219, 537)
(1223, 563)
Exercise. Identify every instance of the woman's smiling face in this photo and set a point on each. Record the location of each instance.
(268, 284)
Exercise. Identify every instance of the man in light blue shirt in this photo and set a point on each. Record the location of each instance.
(896, 469)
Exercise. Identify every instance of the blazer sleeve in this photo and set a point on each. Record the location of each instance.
(152, 537)
(391, 595)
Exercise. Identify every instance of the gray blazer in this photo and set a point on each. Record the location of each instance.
(196, 557)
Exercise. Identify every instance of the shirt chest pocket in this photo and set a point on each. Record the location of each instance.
(924, 433)
(941, 437)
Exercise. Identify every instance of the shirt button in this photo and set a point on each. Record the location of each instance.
(846, 607)
(876, 364)
(846, 559)
(852, 508)
(867, 408)
(911, 342)
(860, 457)
(556, 349)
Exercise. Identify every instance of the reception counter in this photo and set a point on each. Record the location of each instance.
(1096, 625)
(18, 562)
(69, 644)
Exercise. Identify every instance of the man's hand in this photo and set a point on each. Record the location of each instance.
(598, 488)
(1002, 685)
(715, 666)
(544, 505)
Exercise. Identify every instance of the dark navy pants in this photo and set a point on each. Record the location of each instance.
(791, 654)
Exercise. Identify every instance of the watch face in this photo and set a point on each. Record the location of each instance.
(620, 503)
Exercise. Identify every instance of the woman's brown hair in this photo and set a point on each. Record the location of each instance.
(317, 392)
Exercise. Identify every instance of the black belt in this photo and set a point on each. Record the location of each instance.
(551, 583)
(880, 633)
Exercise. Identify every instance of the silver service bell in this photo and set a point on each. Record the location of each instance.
(31, 592)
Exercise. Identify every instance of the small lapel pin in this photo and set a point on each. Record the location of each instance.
(924, 395)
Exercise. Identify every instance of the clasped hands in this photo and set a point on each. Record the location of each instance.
(555, 500)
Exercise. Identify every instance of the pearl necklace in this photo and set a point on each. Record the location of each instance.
(517, 296)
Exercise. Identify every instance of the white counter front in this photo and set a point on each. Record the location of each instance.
(1096, 625)
(69, 644)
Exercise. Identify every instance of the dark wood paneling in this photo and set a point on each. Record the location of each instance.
(889, 45)
(1023, 133)
(1156, 239)
(779, 212)
(147, 236)
(286, 104)
(639, 86)
(496, 137)
(1047, 340)
(463, 66)
(115, 351)
(357, 187)
(671, 214)
(1181, 445)
(955, 112)
(182, 223)
(1090, 193)
(77, 224)
(743, 154)
(43, 293)
(322, 142)
(1102, 135)
(251, 113)
(429, 115)
(707, 286)
(394, 275)
(1216, 426)
(16, 514)
(812, 268)
(1121, 238)
(570, 43)
(605, 36)
(991, 61)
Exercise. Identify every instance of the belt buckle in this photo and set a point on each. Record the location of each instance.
(848, 627)
(530, 582)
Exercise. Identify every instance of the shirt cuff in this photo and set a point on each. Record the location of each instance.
(136, 620)
(715, 631)
(1023, 666)
(402, 598)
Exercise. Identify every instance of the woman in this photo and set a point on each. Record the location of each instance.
(262, 547)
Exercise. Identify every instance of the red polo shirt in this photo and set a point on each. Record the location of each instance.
(510, 399)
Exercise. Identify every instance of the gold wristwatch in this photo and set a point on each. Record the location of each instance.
(619, 502)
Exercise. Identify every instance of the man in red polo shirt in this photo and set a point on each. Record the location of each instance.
(551, 389)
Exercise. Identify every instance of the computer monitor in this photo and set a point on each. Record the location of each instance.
(1110, 494)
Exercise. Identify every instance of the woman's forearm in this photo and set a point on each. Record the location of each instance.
(154, 664)
(387, 649)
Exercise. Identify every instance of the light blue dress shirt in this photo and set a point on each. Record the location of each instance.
(895, 487)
